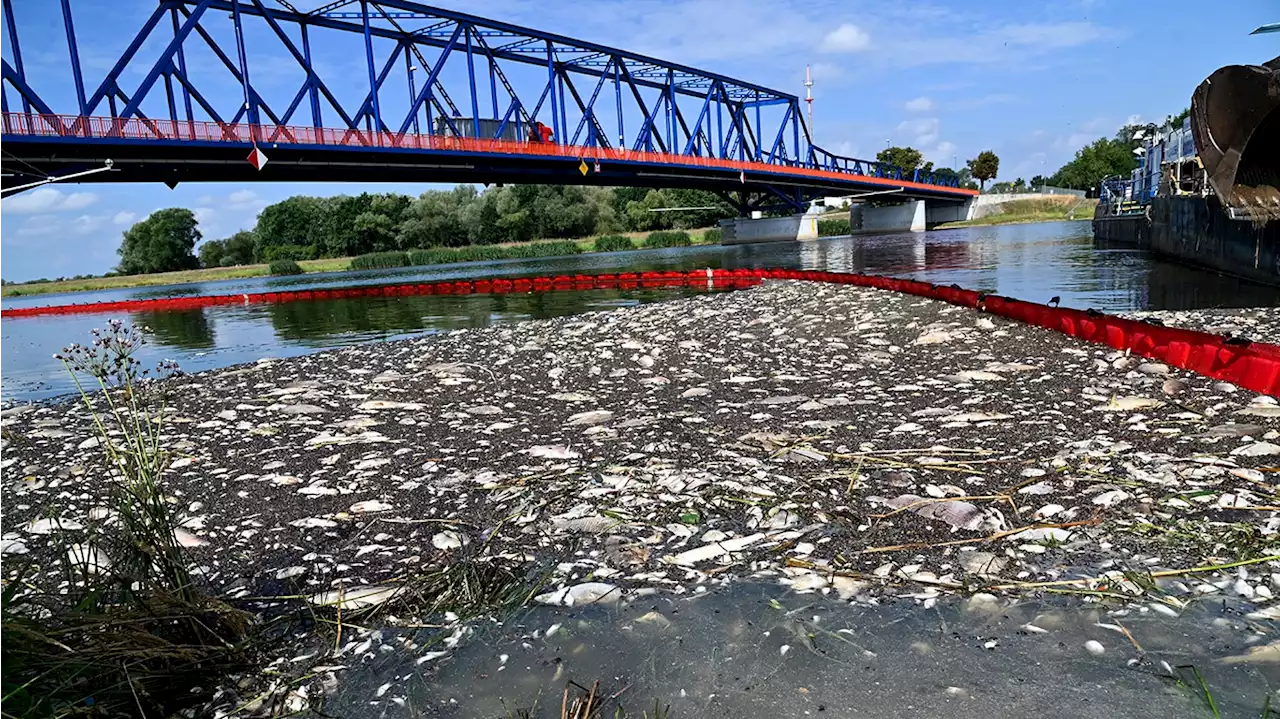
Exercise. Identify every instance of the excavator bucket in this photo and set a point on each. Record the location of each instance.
(1235, 119)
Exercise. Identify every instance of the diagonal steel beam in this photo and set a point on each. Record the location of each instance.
(367, 107)
(422, 62)
(304, 62)
(431, 79)
(586, 112)
(590, 106)
(235, 71)
(112, 77)
(166, 57)
(330, 7)
(24, 90)
(502, 77)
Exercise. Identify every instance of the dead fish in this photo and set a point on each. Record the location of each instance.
(1127, 404)
(355, 598)
(581, 594)
(552, 451)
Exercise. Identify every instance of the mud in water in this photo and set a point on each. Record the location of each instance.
(752, 651)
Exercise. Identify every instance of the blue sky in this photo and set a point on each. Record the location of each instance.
(1032, 81)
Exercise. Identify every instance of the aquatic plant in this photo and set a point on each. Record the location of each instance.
(488, 253)
(128, 630)
(613, 243)
(284, 267)
(380, 261)
(668, 238)
(833, 228)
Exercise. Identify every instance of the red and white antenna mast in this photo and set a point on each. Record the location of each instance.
(808, 96)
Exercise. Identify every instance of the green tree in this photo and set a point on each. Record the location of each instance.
(212, 252)
(984, 167)
(641, 216)
(164, 242)
(239, 248)
(293, 221)
(1039, 181)
(908, 158)
(1100, 159)
(435, 219)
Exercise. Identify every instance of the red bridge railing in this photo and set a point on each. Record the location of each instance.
(107, 128)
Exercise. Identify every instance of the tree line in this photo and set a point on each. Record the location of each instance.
(981, 168)
(1105, 157)
(303, 227)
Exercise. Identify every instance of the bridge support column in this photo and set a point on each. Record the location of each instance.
(909, 216)
(744, 230)
(937, 213)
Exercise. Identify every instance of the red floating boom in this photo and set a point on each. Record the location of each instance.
(1252, 365)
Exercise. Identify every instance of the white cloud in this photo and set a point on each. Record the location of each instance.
(923, 131)
(78, 200)
(920, 104)
(942, 154)
(47, 199)
(826, 71)
(1133, 120)
(243, 197)
(205, 215)
(124, 218)
(84, 224)
(846, 38)
(1074, 141)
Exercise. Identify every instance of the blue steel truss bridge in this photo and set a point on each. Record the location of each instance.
(395, 91)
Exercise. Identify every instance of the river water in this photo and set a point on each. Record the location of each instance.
(1033, 262)
(758, 650)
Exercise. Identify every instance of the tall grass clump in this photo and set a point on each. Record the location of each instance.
(613, 243)
(543, 249)
(120, 628)
(713, 236)
(481, 253)
(833, 228)
(488, 253)
(668, 238)
(284, 267)
(380, 261)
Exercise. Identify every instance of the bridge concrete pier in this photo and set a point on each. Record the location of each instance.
(745, 230)
(910, 216)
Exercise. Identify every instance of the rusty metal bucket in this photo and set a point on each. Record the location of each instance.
(1235, 119)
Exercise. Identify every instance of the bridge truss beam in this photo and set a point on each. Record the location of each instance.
(512, 77)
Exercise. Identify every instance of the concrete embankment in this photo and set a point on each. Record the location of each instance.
(838, 439)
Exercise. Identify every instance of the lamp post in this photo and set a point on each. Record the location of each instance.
(412, 95)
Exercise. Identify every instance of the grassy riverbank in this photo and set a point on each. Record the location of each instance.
(1052, 208)
(214, 274)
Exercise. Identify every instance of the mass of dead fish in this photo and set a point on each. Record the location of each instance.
(834, 439)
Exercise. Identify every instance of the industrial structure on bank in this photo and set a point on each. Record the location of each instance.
(1205, 190)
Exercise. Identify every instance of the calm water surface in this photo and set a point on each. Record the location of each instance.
(1033, 262)
(757, 650)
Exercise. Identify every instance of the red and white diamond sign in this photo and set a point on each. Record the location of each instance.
(257, 158)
